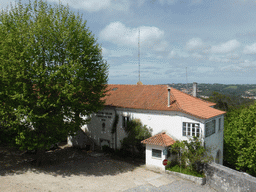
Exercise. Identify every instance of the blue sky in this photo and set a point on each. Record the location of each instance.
(214, 39)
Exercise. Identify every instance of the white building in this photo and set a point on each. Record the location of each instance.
(162, 108)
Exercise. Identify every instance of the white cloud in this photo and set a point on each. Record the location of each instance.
(97, 5)
(4, 4)
(170, 2)
(176, 53)
(205, 69)
(231, 68)
(245, 66)
(141, 2)
(218, 59)
(150, 37)
(105, 52)
(194, 44)
(197, 56)
(196, 1)
(226, 47)
(250, 49)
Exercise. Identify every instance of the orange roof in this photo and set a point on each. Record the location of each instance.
(160, 139)
(155, 97)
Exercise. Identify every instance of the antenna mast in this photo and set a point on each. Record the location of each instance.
(187, 79)
(139, 52)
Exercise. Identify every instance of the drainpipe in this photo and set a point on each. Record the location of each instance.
(115, 132)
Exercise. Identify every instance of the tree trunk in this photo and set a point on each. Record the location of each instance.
(39, 157)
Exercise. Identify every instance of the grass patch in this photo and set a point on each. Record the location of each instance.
(186, 171)
(231, 87)
(252, 90)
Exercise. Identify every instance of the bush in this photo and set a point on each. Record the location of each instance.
(185, 170)
(192, 154)
(107, 149)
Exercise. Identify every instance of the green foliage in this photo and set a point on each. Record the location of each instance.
(228, 102)
(192, 154)
(231, 87)
(136, 133)
(240, 139)
(179, 169)
(51, 73)
(115, 124)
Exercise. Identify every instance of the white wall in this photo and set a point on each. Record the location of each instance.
(215, 141)
(159, 121)
(94, 128)
(168, 121)
(154, 161)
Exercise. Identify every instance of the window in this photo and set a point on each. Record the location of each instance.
(125, 119)
(103, 127)
(156, 153)
(210, 128)
(219, 124)
(191, 129)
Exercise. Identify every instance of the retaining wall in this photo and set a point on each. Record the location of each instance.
(224, 179)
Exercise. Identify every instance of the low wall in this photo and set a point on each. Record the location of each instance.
(224, 179)
(197, 180)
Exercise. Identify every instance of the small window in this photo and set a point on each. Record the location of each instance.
(156, 153)
(219, 124)
(103, 127)
(125, 120)
(210, 128)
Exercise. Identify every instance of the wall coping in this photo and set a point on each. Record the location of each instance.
(197, 180)
(231, 171)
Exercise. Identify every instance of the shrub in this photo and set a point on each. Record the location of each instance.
(192, 154)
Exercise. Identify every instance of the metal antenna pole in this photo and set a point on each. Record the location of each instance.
(187, 79)
(139, 52)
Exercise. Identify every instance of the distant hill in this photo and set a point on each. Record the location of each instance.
(206, 90)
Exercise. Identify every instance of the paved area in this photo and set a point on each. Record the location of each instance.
(95, 172)
(173, 185)
(139, 179)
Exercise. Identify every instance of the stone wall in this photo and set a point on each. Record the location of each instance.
(224, 179)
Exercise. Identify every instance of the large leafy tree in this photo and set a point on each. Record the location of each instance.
(51, 73)
(240, 139)
(136, 132)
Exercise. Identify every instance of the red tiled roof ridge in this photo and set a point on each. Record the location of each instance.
(155, 97)
(161, 139)
(168, 86)
(208, 102)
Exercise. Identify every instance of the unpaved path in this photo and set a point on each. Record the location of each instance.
(32, 181)
(74, 170)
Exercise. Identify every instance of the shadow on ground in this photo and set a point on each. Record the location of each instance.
(64, 162)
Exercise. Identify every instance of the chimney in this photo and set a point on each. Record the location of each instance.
(194, 89)
(169, 96)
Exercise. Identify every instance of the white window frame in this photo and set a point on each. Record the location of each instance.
(190, 129)
(156, 151)
(125, 120)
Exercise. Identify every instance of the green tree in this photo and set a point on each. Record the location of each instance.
(52, 73)
(136, 132)
(193, 154)
(240, 139)
(223, 102)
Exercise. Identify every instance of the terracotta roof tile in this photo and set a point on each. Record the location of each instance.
(161, 139)
(155, 97)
